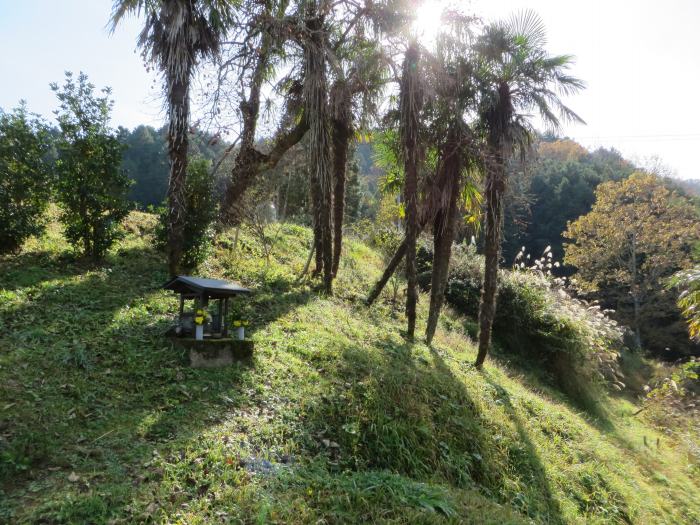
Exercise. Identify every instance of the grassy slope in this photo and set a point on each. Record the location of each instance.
(337, 419)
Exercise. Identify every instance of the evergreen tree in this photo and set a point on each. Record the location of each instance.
(91, 186)
(25, 176)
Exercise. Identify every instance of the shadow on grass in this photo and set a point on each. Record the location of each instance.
(91, 386)
(530, 459)
(556, 375)
(402, 412)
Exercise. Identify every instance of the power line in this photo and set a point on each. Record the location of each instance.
(652, 137)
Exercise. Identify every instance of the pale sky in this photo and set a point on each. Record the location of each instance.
(640, 61)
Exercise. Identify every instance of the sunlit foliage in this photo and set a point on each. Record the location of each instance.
(637, 234)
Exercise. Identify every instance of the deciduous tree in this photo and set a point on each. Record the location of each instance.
(637, 234)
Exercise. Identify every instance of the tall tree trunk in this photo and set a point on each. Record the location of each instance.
(499, 119)
(250, 164)
(635, 293)
(316, 198)
(316, 102)
(444, 230)
(178, 112)
(388, 272)
(409, 108)
(430, 206)
(493, 194)
(341, 135)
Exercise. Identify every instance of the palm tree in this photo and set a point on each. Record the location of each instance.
(516, 75)
(176, 34)
(359, 70)
(354, 61)
(410, 103)
(451, 166)
(317, 113)
(450, 112)
(448, 103)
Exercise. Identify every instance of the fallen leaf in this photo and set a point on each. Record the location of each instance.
(73, 477)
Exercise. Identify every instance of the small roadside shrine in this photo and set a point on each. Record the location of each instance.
(206, 334)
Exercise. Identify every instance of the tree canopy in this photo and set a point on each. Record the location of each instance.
(637, 234)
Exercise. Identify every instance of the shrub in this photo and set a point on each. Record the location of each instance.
(200, 208)
(24, 177)
(540, 323)
(688, 282)
(91, 186)
(673, 393)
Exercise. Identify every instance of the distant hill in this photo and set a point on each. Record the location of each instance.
(692, 186)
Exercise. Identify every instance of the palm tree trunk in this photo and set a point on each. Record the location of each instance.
(388, 272)
(316, 99)
(340, 155)
(444, 230)
(178, 111)
(341, 136)
(429, 209)
(316, 197)
(495, 188)
(410, 106)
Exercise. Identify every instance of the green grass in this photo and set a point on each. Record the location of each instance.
(336, 419)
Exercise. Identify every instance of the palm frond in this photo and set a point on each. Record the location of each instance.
(527, 29)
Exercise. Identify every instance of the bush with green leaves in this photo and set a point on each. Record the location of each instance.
(540, 323)
(688, 282)
(201, 210)
(91, 186)
(25, 185)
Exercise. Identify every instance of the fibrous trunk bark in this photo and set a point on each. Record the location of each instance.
(444, 229)
(409, 108)
(493, 196)
(341, 135)
(316, 106)
(178, 112)
(316, 198)
(498, 119)
(430, 206)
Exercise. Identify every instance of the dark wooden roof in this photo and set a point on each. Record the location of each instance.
(214, 288)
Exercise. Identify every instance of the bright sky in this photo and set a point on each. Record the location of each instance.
(638, 59)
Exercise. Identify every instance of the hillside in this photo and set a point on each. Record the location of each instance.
(336, 419)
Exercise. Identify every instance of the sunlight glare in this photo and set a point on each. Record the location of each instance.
(428, 20)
